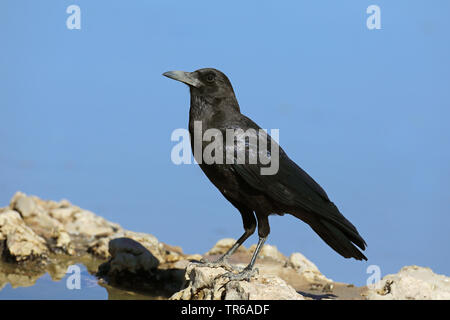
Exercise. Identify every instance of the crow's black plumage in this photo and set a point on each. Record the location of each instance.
(256, 196)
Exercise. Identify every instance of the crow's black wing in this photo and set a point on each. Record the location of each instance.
(289, 176)
(294, 188)
(289, 184)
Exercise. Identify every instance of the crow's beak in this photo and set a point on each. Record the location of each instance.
(185, 77)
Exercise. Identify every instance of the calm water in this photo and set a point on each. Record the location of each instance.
(47, 288)
(56, 283)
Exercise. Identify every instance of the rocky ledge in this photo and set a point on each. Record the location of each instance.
(38, 236)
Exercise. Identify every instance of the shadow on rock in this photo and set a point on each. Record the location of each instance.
(133, 267)
(327, 296)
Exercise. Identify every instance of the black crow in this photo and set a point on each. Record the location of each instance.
(255, 194)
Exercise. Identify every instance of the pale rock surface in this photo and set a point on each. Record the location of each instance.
(204, 283)
(223, 246)
(21, 242)
(306, 268)
(269, 251)
(60, 227)
(411, 283)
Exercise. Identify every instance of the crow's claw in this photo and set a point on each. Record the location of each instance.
(246, 274)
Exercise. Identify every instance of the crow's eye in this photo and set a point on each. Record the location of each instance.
(210, 77)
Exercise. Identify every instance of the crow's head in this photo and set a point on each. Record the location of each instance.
(207, 82)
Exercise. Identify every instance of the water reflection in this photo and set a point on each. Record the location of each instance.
(52, 282)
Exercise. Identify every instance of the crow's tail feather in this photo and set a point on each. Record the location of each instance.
(341, 239)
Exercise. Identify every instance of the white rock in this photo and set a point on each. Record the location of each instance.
(63, 215)
(412, 283)
(223, 246)
(269, 251)
(88, 224)
(21, 242)
(268, 288)
(306, 268)
(205, 283)
(23, 204)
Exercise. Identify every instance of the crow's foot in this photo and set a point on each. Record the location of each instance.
(246, 274)
(219, 263)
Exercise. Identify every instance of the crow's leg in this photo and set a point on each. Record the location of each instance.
(248, 271)
(249, 221)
